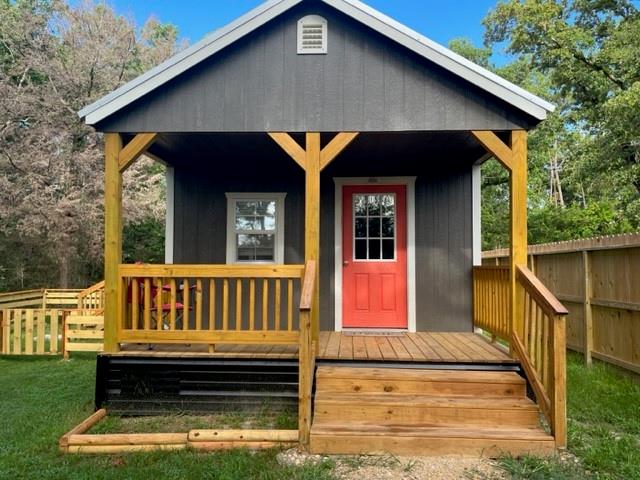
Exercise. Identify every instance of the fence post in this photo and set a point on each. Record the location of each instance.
(588, 310)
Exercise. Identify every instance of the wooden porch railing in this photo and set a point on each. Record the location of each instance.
(542, 350)
(92, 298)
(208, 304)
(491, 300)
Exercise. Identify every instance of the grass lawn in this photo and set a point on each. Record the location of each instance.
(604, 427)
(42, 398)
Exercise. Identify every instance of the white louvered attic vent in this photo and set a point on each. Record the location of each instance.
(312, 35)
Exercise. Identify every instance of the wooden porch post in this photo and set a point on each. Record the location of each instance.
(112, 237)
(312, 222)
(313, 159)
(514, 158)
(518, 223)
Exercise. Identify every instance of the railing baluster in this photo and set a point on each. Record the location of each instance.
(225, 304)
(277, 306)
(238, 304)
(265, 304)
(212, 304)
(159, 304)
(199, 304)
(290, 305)
(172, 304)
(147, 304)
(185, 304)
(135, 303)
(252, 304)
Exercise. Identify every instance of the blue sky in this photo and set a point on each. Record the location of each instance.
(440, 20)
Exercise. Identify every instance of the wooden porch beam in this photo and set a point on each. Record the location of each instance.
(136, 147)
(289, 145)
(496, 147)
(112, 237)
(335, 147)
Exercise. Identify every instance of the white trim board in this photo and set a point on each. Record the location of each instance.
(410, 183)
(169, 233)
(216, 41)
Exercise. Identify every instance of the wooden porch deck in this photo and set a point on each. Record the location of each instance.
(422, 347)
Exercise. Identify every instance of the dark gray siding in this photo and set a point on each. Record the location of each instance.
(442, 164)
(365, 83)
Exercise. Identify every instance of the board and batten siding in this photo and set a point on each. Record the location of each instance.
(365, 82)
(443, 215)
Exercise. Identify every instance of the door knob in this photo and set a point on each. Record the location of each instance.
(345, 263)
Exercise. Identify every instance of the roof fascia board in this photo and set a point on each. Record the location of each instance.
(184, 60)
(444, 57)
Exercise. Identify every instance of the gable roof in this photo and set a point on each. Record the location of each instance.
(216, 41)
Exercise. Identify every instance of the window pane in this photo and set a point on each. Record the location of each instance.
(374, 249)
(361, 227)
(361, 250)
(388, 250)
(374, 227)
(252, 247)
(387, 227)
(247, 223)
(244, 207)
(266, 207)
(388, 205)
(269, 222)
(360, 205)
(373, 202)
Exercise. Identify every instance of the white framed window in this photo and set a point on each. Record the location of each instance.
(312, 35)
(255, 227)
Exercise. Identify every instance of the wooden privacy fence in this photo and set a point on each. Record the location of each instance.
(598, 280)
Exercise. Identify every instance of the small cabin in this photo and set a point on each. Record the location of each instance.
(323, 239)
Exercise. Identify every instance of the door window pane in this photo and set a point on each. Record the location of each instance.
(374, 226)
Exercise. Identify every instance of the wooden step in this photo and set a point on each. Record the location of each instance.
(373, 439)
(385, 409)
(419, 382)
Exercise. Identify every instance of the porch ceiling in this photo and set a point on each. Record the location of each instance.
(189, 149)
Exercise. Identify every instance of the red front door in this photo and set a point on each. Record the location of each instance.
(374, 246)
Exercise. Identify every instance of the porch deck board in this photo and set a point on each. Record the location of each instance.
(425, 347)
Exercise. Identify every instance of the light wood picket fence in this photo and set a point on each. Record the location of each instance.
(52, 321)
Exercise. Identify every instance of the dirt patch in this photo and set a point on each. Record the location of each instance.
(389, 467)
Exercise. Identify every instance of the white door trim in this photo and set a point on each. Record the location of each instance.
(409, 182)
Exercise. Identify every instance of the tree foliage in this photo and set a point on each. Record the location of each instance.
(584, 160)
(54, 59)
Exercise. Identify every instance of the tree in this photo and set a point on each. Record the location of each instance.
(54, 59)
(584, 173)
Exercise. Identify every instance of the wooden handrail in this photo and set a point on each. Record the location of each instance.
(306, 354)
(308, 283)
(542, 350)
(91, 289)
(230, 271)
(547, 300)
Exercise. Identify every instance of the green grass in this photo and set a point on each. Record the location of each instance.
(42, 398)
(604, 428)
